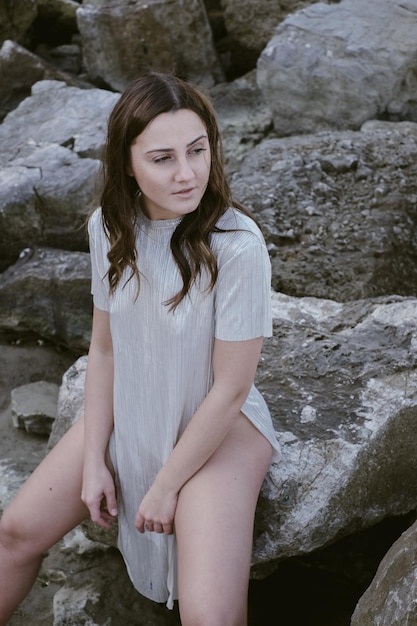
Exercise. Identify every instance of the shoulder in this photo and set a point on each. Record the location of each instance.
(241, 232)
(95, 220)
(97, 233)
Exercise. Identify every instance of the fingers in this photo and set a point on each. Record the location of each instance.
(143, 526)
(103, 512)
(111, 503)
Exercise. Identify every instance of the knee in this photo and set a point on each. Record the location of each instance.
(9, 532)
(13, 536)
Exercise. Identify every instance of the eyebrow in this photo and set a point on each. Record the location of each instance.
(172, 149)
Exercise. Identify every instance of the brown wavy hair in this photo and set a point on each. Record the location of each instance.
(142, 101)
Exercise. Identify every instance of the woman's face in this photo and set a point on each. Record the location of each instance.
(170, 161)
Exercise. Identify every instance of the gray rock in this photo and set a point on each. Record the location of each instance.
(337, 210)
(19, 70)
(58, 129)
(99, 592)
(70, 400)
(391, 599)
(16, 18)
(40, 208)
(123, 39)
(341, 383)
(34, 406)
(47, 293)
(12, 477)
(243, 115)
(338, 65)
(55, 113)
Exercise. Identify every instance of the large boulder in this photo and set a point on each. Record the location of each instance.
(47, 294)
(55, 113)
(123, 39)
(338, 65)
(49, 157)
(341, 383)
(391, 599)
(39, 207)
(19, 70)
(338, 210)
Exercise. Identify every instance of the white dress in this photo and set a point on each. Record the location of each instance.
(163, 365)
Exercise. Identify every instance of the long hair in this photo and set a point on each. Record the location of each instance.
(142, 101)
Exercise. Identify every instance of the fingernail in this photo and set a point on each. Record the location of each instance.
(113, 512)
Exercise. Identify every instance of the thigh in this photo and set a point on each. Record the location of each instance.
(214, 523)
(49, 503)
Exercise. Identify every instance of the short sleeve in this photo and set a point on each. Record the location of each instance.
(99, 283)
(243, 294)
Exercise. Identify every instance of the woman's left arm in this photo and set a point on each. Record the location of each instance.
(234, 367)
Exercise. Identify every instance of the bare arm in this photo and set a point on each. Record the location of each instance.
(234, 367)
(98, 485)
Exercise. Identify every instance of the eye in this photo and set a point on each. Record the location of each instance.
(162, 159)
(198, 150)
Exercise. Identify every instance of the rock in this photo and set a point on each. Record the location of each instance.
(47, 293)
(19, 70)
(251, 23)
(68, 58)
(391, 598)
(12, 477)
(70, 606)
(123, 39)
(70, 400)
(34, 406)
(59, 13)
(101, 593)
(40, 208)
(341, 383)
(243, 115)
(336, 66)
(75, 542)
(16, 18)
(67, 133)
(337, 210)
(55, 113)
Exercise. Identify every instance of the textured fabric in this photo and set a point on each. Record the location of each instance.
(163, 364)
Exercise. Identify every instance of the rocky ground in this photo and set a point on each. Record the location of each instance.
(21, 364)
(321, 590)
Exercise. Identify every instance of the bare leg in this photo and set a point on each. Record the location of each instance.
(44, 510)
(214, 527)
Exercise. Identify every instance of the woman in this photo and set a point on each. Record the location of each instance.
(175, 439)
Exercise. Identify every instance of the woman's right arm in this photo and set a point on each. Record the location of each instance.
(98, 492)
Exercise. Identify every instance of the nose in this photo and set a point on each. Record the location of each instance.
(184, 171)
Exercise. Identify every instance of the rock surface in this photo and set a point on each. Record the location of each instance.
(34, 406)
(124, 39)
(336, 66)
(337, 210)
(391, 599)
(47, 292)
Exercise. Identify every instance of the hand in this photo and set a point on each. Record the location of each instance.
(99, 495)
(156, 511)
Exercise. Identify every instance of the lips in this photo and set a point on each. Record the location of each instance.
(184, 192)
